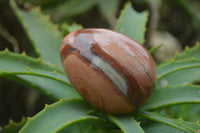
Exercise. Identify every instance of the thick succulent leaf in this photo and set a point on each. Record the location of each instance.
(188, 53)
(66, 28)
(13, 127)
(71, 8)
(172, 66)
(95, 127)
(36, 2)
(10, 60)
(151, 51)
(34, 73)
(126, 123)
(44, 35)
(189, 127)
(108, 8)
(49, 87)
(188, 112)
(161, 128)
(58, 116)
(132, 23)
(178, 73)
(173, 95)
(12, 63)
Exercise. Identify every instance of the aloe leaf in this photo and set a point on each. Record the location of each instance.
(71, 8)
(12, 63)
(189, 127)
(169, 96)
(189, 53)
(52, 75)
(172, 66)
(132, 23)
(92, 127)
(13, 127)
(44, 35)
(126, 123)
(188, 112)
(178, 73)
(10, 60)
(66, 28)
(161, 128)
(48, 79)
(58, 116)
(108, 8)
(151, 51)
(49, 87)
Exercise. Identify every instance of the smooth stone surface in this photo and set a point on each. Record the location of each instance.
(110, 70)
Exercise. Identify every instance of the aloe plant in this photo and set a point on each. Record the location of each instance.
(176, 83)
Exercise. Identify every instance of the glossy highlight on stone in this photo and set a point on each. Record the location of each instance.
(110, 71)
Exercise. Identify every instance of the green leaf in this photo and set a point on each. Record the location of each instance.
(49, 87)
(71, 8)
(189, 53)
(161, 128)
(48, 79)
(188, 112)
(169, 96)
(154, 49)
(44, 35)
(108, 8)
(172, 66)
(13, 127)
(12, 63)
(92, 127)
(174, 73)
(58, 116)
(36, 2)
(189, 127)
(66, 28)
(126, 123)
(132, 23)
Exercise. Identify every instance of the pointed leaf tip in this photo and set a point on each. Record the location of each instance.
(132, 23)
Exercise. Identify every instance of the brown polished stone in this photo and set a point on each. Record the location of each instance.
(110, 70)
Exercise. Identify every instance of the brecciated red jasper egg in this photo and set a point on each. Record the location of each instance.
(110, 71)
